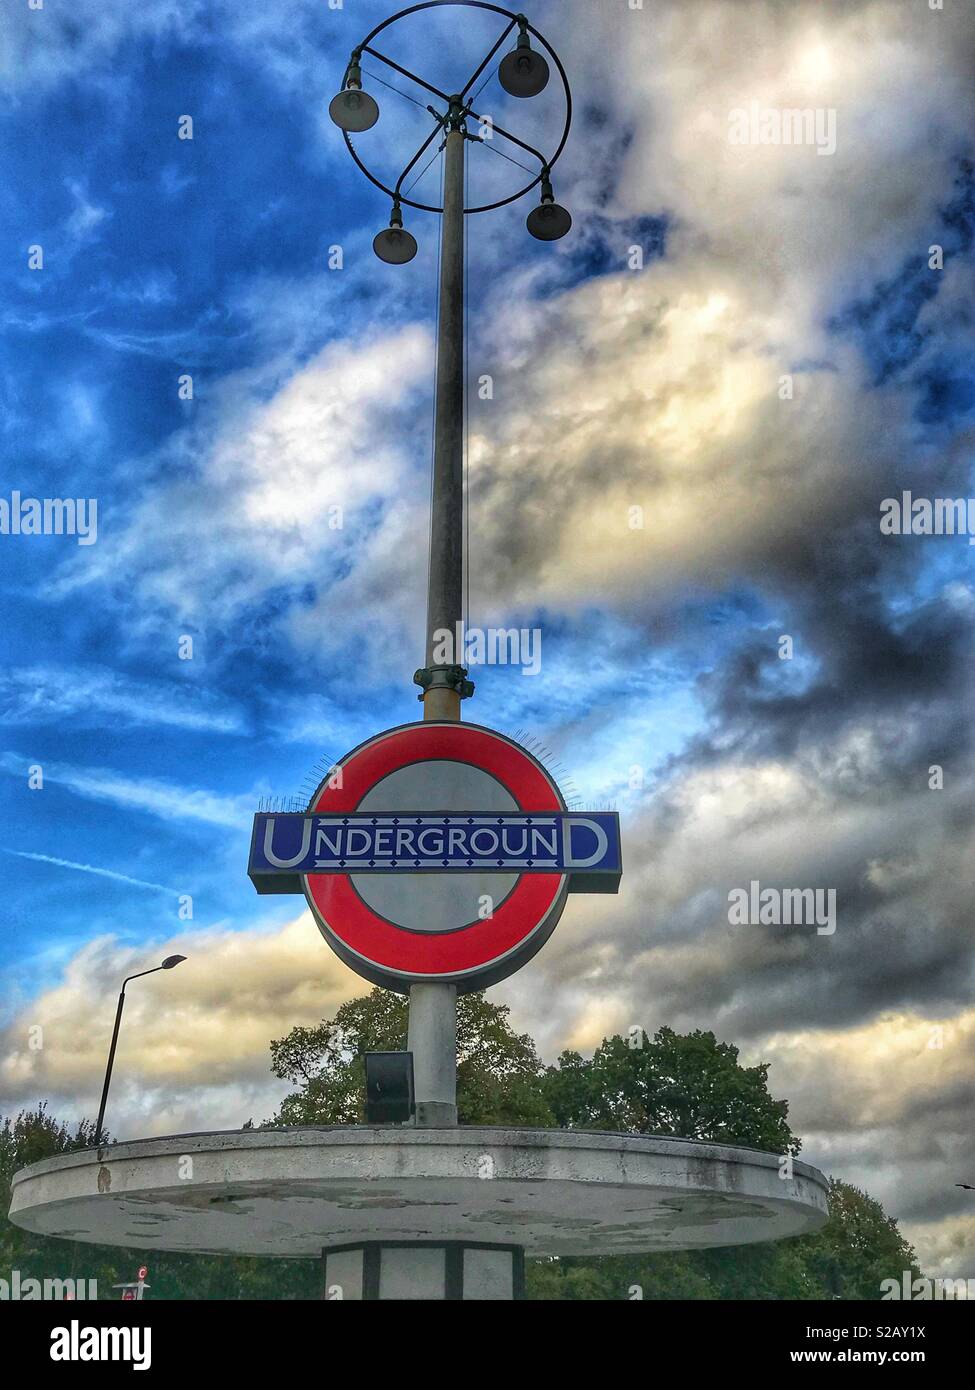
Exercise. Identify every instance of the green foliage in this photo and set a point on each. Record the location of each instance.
(857, 1248)
(498, 1070)
(27, 1138)
(34, 1135)
(687, 1085)
(618, 1277)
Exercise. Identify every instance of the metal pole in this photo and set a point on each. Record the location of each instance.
(108, 1070)
(167, 964)
(432, 1034)
(445, 596)
(432, 1038)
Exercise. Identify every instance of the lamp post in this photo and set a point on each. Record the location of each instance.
(523, 72)
(168, 964)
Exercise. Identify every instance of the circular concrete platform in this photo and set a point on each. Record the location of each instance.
(294, 1192)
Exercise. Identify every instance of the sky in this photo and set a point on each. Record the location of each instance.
(698, 402)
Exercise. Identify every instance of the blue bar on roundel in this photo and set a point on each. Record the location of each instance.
(584, 845)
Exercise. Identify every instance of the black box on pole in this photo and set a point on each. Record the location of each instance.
(389, 1087)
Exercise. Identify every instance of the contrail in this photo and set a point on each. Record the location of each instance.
(91, 869)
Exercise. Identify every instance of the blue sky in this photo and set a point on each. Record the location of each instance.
(160, 257)
(660, 689)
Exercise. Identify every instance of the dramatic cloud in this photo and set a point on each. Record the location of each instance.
(195, 1049)
(675, 466)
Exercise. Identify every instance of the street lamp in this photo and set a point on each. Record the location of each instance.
(168, 964)
(395, 246)
(523, 72)
(353, 109)
(549, 220)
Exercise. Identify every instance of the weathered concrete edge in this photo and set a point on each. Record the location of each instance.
(587, 1161)
(600, 1141)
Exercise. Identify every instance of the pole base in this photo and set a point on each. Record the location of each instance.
(426, 1270)
(432, 1039)
(435, 1114)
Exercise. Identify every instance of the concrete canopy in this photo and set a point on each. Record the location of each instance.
(295, 1192)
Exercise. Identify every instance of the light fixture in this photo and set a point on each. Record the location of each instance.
(523, 72)
(353, 109)
(167, 964)
(395, 245)
(549, 221)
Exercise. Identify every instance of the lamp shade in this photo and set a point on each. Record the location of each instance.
(395, 246)
(353, 110)
(523, 72)
(549, 221)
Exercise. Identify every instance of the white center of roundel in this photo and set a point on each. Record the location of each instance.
(430, 902)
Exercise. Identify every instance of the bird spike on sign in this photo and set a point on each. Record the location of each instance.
(443, 853)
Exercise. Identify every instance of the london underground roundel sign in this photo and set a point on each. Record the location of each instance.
(436, 851)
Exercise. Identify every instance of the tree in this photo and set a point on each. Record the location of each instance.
(326, 1061)
(498, 1070)
(688, 1085)
(34, 1135)
(27, 1138)
(858, 1248)
(848, 1258)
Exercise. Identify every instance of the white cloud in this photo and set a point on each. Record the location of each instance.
(195, 1040)
(167, 800)
(90, 869)
(656, 389)
(284, 486)
(800, 229)
(51, 695)
(44, 46)
(86, 216)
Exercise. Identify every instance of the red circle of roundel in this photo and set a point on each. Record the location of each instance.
(478, 947)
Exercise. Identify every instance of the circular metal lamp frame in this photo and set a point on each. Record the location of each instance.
(547, 165)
